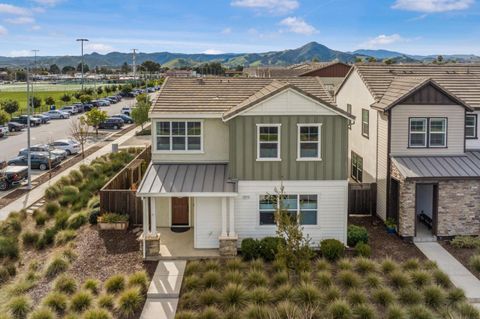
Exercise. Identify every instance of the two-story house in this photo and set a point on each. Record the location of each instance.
(221, 146)
(416, 137)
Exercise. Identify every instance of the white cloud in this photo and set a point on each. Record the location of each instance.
(274, 6)
(99, 47)
(298, 25)
(383, 40)
(11, 9)
(212, 51)
(3, 31)
(17, 53)
(227, 31)
(20, 20)
(35, 27)
(48, 2)
(432, 6)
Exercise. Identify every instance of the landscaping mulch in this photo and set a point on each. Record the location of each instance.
(384, 244)
(462, 255)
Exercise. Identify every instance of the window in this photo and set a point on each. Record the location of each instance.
(309, 142)
(471, 126)
(427, 132)
(349, 111)
(303, 208)
(365, 122)
(179, 136)
(268, 142)
(357, 167)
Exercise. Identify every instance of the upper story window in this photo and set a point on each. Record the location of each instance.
(179, 136)
(471, 122)
(356, 169)
(268, 142)
(427, 132)
(302, 208)
(365, 123)
(309, 147)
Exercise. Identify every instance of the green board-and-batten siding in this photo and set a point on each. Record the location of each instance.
(243, 149)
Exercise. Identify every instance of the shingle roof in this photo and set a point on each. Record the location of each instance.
(218, 95)
(417, 167)
(462, 80)
(288, 71)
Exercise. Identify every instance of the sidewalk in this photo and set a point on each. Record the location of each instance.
(37, 193)
(460, 276)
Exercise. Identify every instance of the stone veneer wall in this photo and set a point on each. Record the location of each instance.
(458, 206)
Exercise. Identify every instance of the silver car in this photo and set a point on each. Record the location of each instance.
(56, 114)
(45, 148)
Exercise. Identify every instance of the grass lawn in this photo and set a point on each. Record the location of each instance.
(349, 288)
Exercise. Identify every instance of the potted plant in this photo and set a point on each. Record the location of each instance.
(391, 225)
(112, 221)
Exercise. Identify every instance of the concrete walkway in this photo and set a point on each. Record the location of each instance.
(37, 193)
(460, 276)
(164, 290)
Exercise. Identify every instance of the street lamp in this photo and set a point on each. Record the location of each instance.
(82, 40)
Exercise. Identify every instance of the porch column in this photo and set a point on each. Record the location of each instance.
(232, 217)
(153, 217)
(224, 217)
(145, 225)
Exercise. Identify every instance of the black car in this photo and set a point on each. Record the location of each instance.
(15, 126)
(23, 119)
(126, 119)
(80, 107)
(38, 160)
(87, 107)
(11, 176)
(111, 123)
(44, 118)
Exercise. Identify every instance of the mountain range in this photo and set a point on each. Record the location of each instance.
(308, 52)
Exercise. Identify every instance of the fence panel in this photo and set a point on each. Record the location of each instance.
(362, 199)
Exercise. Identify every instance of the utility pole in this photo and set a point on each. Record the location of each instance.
(134, 65)
(82, 41)
(29, 157)
(33, 72)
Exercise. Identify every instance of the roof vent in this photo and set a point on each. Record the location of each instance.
(200, 81)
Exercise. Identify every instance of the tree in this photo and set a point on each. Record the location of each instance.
(440, 58)
(126, 89)
(125, 68)
(10, 106)
(315, 59)
(94, 117)
(140, 113)
(85, 68)
(99, 90)
(36, 102)
(68, 69)
(3, 117)
(84, 98)
(389, 61)
(54, 69)
(21, 75)
(358, 60)
(150, 66)
(79, 130)
(371, 59)
(49, 100)
(66, 98)
(108, 89)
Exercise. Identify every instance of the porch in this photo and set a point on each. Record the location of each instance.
(175, 245)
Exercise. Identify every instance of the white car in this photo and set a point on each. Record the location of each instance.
(127, 110)
(68, 145)
(56, 114)
(3, 130)
(72, 109)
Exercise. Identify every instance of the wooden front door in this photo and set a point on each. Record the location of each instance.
(180, 211)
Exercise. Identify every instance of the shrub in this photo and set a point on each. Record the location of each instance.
(399, 279)
(395, 312)
(466, 310)
(129, 302)
(91, 285)
(94, 202)
(411, 264)
(75, 176)
(356, 297)
(42, 313)
(65, 284)
(81, 301)
(260, 295)
(474, 262)
(332, 249)
(19, 307)
(348, 279)
(420, 278)
(30, 238)
(363, 250)
(364, 312)
(233, 264)
(321, 264)
(279, 265)
(286, 309)
(256, 278)
(409, 296)
(106, 301)
(211, 279)
(69, 195)
(64, 236)
(186, 314)
(466, 242)
(280, 278)
(208, 297)
(12, 270)
(69, 254)
(96, 314)
(323, 279)
(193, 267)
(114, 218)
(212, 265)
(332, 293)
(56, 267)
(4, 275)
(61, 220)
(93, 216)
(234, 277)
(420, 312)
(283, 292)
(8, 247)
(388, 265)
(455, 296)
(53, 192)
(115, 284)
(364, 265)
(47, 238)
(52, 208)
(433, 296)
(77, 220)
(356, 234)
(441, 278)
(40, 218)
(234, 296)
(192, 282)
(250, 248)
(257, 264)
(210, 313)
(383, 296)
(306, 294)
(56, 301)
(139, 279)
(339, 309)
(269, 247)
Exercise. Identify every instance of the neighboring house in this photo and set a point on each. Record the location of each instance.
(416, 136)
(221, 146)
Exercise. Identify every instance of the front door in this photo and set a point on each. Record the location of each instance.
(394, 200)
(180, 211)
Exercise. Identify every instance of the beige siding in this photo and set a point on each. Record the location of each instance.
(162, 206)
(215, 144)
(355, 92)
(382, 170)
(474, 144)
(455, 115)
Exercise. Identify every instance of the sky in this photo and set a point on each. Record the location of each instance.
(240, 26)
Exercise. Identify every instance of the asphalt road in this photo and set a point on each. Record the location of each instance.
(56, 129)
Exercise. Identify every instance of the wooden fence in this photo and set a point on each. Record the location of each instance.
(118, 195)
(362, 199)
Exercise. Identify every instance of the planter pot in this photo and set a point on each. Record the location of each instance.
(113, 226)
(391, 230)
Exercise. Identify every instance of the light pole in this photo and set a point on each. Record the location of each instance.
(33, 71)
(82, 41)
(134, 66)
(29, 157)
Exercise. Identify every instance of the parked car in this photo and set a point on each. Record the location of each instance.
(69, 146)
(104, 102)
(80, 107)
(127, 110)
(11, 176)
(87, 107)
(56, 114)
(95, 103)
(15, 126)
(38, 160)
(45, 148)
(23, 119)
(126, 119)
(44, 118)
(111, 100)
(72, 109)
(111, 123)
(3, 130)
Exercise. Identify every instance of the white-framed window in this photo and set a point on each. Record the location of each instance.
(417, 132)
(179, 136)
(302, 207)
(309, 142)
(356, 169)
(268, 142)
(471, 122)
(365, 123)
(437, 132)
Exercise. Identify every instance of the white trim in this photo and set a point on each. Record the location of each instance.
(154, 116)
(444, 132)
(319, 142)
(171, 151)
(226, 194)
(425, 131)
(298, 210)
(269, 159)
